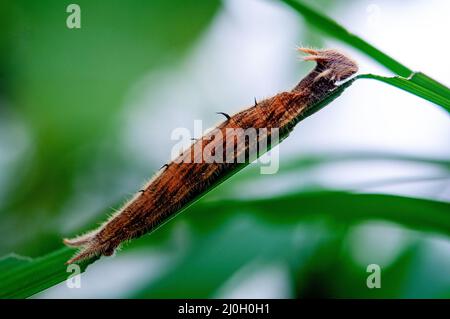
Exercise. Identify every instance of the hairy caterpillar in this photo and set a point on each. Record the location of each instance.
(186, 178)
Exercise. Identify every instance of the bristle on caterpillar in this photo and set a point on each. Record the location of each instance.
(336, 65)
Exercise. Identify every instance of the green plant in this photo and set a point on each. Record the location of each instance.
(416, 83)
(23, 277)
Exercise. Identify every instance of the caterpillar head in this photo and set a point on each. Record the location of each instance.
(332, 64)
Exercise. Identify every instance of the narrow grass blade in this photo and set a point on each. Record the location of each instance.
(268, 237)
(416, 83)
(23, 277)
(332, 28)
(411, 85)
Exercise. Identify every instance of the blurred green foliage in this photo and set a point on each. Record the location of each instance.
(228, 234)
(68, 86)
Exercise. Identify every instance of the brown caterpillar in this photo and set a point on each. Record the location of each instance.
(183, 180)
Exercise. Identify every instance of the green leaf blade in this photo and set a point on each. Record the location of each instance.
(416, 83)
(331, 27)
(25, 278)
(22, 278)
(411, 86)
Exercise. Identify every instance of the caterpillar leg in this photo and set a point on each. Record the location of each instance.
(89, 247)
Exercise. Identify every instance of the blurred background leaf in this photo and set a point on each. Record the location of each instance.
(230, 234)
(68, 86)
